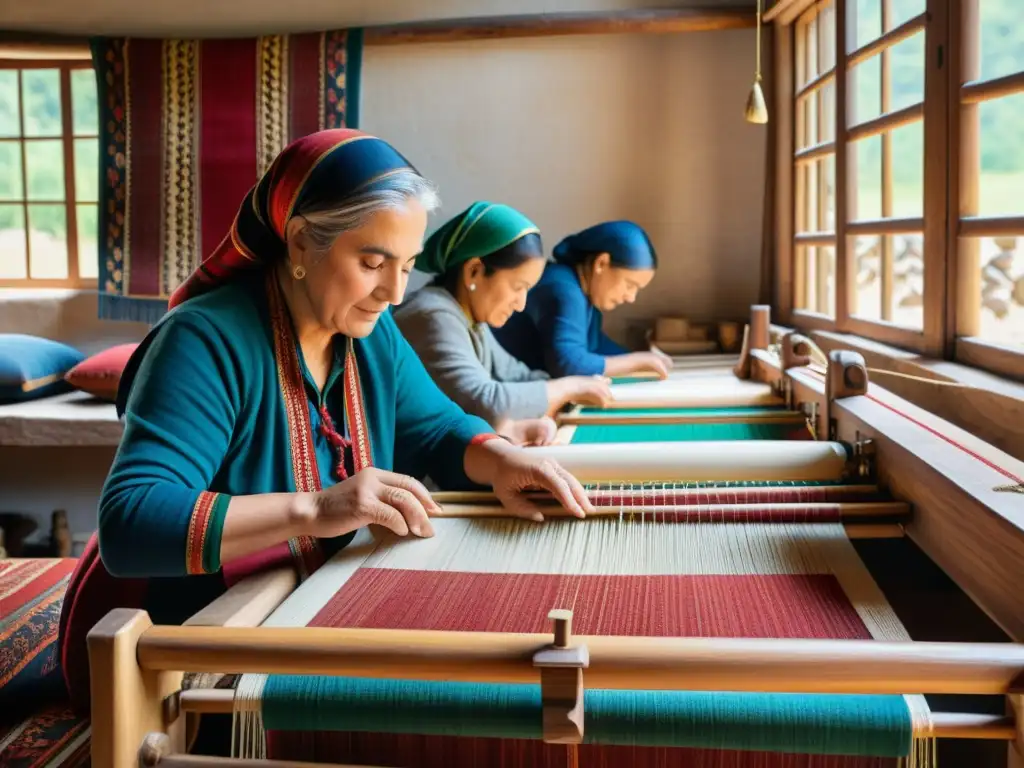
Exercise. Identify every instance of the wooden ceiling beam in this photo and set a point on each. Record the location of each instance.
(653, 21)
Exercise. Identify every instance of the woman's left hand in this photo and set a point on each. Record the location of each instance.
(540, 431)
(517, 471)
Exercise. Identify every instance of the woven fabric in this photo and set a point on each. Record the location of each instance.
(674, 433)
(31, 597)
(681, 580)
(178, 158)
(53, 737)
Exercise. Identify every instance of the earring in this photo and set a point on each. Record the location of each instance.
(472, 286)
(298, 271)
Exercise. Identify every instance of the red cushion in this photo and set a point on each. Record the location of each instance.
(99, 375)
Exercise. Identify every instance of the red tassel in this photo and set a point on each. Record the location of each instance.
(338, 443)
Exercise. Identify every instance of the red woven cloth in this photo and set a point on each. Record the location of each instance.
(779, 606)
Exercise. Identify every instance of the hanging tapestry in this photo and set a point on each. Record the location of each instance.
(186, 128)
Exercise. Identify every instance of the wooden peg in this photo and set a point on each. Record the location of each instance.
(561, 682)
(760, 326)
(742, 368)
(154, 748)
(847, 376)
(1015, 707)
(796, 351)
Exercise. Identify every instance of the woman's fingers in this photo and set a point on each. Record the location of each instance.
(547, 476)
(577, 489)
(413, 486)
(376, 512)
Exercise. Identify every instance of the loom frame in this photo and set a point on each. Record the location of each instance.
(141, 717)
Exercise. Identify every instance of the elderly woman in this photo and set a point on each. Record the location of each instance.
(277, 409)
(595, 271)
(486, 259)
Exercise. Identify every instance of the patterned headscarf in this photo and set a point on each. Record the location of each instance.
(478, 231)
(329, 165)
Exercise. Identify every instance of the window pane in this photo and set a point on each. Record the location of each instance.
(48, 240)
(9, 121)
(866, 160)
(867, 251)
(84, 114)
(906, 72)
(44, 161)
(1002, 290)
(812, 116)
(811, 171)
(821, 285)
(865, 83)
(868, 18)
(1001, 185)
(827, 38)
(901, 11)
(827, 112)
(41, 91)
(10, 171)
(88, 254)
(13, 262)
(812, 49)
(907, 307)
(1002, 38)
(907, 144)
(87, 162)
(827, 189)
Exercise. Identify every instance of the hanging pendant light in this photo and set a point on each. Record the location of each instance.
(757, 111)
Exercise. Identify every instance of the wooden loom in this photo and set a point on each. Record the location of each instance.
(143, 663)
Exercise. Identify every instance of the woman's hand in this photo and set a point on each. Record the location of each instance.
(372, 497)
(584, 390)
(657, 363)
(591, 390)
(540, 431)
(510, 471)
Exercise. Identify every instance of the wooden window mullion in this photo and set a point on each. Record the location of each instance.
(887, 180)
(968, 249)
(845, 180)
(68, 143)
(24, 177)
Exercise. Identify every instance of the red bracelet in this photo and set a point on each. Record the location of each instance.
(481, 439)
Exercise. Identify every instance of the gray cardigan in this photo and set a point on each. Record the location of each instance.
(467, 362)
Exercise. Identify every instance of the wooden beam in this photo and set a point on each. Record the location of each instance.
(661, 21)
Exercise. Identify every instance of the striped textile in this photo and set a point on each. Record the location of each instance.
(620, 578)
(674, 433)
(180, 154)
(37, 727)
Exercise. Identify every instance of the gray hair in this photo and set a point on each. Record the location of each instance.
(393, 192)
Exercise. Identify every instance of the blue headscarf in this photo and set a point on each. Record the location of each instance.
(626, 244)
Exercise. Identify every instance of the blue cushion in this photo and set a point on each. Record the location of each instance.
(31, 367)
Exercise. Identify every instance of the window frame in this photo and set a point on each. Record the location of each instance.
(952, 91)
(65, 66)
(931, 111)
(966, 91)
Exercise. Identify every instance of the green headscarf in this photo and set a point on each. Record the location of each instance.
(478, 231)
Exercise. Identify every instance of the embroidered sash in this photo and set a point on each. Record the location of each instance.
(305, 552)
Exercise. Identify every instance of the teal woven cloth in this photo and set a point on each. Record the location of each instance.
(676, 433)
(732, 411)
(876, 726)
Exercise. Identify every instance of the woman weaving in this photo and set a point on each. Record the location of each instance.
(485, 260)
(595, 271)
(277, 409)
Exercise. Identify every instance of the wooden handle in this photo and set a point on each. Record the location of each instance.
(632, 663)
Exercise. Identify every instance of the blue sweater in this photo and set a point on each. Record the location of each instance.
(560, 330)
(205, 414)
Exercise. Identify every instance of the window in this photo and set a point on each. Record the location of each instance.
(987, 198)
(49, 174)
(859, 251)
(814, 166)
